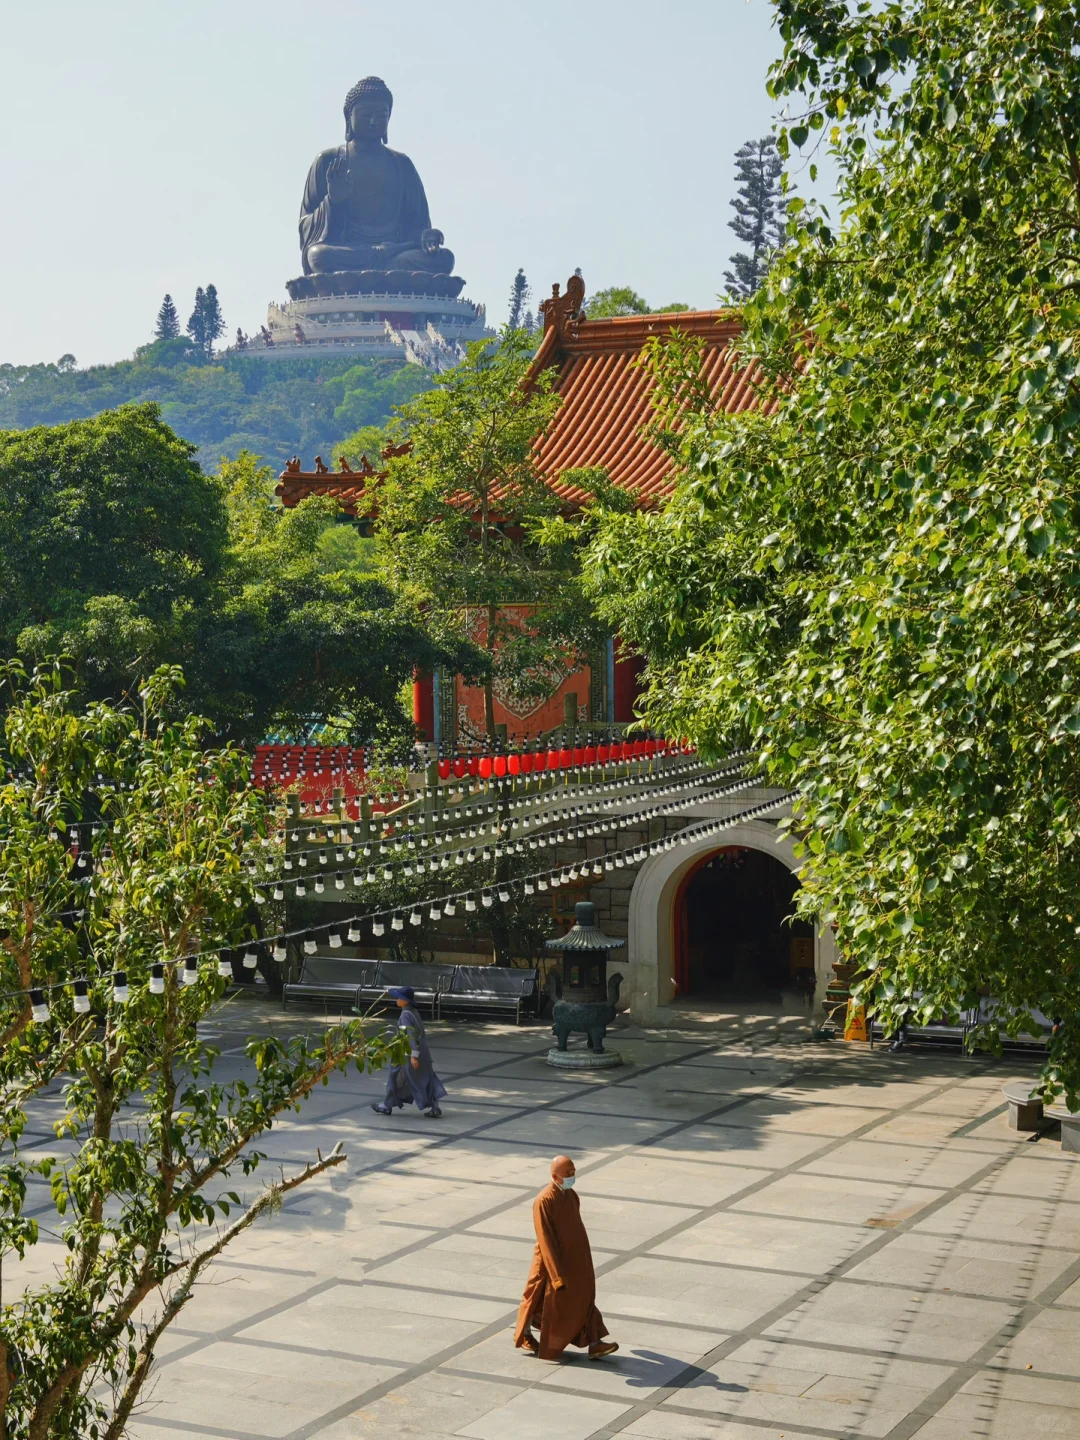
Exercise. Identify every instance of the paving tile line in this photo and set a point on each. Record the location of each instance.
(417, 1371)
(716, 1044)
(979, 1362)
(872, 1247)
(271, 1312)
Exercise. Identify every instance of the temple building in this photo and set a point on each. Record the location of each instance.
(600, 423)
(707, 922)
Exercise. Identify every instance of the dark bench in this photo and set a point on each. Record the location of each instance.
(427, 981)
(491, 987)
(331, 977)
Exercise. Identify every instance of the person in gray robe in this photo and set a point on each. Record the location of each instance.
(415, 1082)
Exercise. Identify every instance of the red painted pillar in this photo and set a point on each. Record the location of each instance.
(628, 669)
(423, 704)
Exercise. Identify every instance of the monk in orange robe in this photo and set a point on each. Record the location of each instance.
(560, 1293)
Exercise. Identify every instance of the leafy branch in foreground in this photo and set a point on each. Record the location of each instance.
(149, 1143)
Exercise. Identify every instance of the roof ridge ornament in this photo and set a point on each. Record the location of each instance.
(565, 312)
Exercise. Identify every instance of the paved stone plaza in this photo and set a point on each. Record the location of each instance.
(791, 1239)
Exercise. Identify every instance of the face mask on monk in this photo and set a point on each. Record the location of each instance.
(568, 1182)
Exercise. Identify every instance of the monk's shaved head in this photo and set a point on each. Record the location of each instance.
(561, 1166)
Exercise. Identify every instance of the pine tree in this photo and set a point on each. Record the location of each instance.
(519, 296)
(205, 324)
(759, 208)
(196, 325)
(168, 322)
(215, 321)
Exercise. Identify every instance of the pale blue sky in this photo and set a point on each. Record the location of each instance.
(154, 146)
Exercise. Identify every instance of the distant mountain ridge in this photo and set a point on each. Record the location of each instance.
(275, 408)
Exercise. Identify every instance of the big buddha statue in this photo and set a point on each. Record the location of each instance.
(364, 222)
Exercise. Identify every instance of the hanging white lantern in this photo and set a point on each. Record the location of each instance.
(279, 893)
(319, 886)
(310, 943)
(378, 928)
(397, 923)
(190, 972)
(82, 997)
(335, 940)
(434, 913)
(224, 967)
(339, 881)
(353, 936)
(470, 905)
(281, 950)
(449, 908)
(504, 894)
(39, 1010)
(530, 888)
(121, 993)
(157, 979)
(415, 918)
(301, 888)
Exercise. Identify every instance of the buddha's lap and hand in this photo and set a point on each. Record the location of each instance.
(435, 259)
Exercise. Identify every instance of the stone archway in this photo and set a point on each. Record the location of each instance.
(650, 950)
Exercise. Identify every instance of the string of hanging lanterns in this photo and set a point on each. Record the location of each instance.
(501, 815)
(462, 856)
(438, 907)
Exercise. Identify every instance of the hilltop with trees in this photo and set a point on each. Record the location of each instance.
(222, 404)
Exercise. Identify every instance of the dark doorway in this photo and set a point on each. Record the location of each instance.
(737, 939)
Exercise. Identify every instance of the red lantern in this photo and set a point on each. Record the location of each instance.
(473, 766)
(485, 768)
(444, 769)
(553, 759)
(537, 762)
(579, 754)
(458, 766)
(513, 764)
(500, 765)
(590, 754)
(566, 758)
(603, 753)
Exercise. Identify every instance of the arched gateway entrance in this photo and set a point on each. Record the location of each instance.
(736, 936)
(706, 923)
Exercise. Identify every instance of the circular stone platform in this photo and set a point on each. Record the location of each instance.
(583, 1059)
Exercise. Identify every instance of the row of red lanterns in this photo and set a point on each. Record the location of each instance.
(538, 761)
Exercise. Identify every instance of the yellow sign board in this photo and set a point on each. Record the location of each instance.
(855, 1026)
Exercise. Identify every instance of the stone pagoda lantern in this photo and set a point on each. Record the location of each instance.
(584, 997)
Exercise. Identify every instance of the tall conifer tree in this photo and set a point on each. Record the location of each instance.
(759, 214)
(206, 323)
(168, 321)
(519, 296)
(196, 325)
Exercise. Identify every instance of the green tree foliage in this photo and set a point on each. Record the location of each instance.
(759, 214)
(152, 1172)
(366, 395)
(205, 323)
(461, 514)
(621, 300)
(168, 322)
(109, 531)
(520, 316)
(302, 628)
(878, 586)
(276, 408)
(117, 551)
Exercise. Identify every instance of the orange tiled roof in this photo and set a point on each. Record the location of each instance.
(606, 405)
